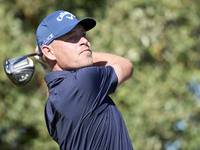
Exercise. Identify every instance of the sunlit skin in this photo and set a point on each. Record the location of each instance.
(72, 50)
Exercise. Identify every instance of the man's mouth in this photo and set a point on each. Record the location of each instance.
(86, 50)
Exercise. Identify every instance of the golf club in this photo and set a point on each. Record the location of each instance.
(20, 69)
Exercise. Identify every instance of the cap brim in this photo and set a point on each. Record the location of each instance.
(87, 23)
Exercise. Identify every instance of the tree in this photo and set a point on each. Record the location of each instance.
(160, 104)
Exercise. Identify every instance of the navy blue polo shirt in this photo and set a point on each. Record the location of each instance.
(79, 113)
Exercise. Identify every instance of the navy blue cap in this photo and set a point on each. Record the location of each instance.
(58, 24)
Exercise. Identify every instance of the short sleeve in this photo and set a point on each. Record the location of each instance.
(100, 78)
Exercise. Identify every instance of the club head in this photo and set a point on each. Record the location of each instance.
(19, 70)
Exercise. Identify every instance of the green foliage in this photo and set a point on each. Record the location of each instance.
(160, 103)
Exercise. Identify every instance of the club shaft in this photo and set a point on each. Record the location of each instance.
(32, 54)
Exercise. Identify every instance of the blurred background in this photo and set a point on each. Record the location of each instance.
(160, 103)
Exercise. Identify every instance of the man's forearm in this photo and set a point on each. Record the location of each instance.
(105, 59)
(123, 67)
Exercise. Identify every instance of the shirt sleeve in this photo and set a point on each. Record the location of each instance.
(102, 79)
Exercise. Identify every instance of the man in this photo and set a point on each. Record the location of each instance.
(79, 113)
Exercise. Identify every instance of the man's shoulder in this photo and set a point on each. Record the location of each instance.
(82, 73)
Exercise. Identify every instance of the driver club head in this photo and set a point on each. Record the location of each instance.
(19, 70)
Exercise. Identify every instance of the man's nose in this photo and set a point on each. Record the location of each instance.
(84, 40)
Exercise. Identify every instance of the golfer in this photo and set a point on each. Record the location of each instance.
(79, 113)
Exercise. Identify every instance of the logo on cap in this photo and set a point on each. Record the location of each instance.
(62, 14)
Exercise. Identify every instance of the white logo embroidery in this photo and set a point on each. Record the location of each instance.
(48, 39)
(62, 14)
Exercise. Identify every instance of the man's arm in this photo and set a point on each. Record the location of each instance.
(123, 67)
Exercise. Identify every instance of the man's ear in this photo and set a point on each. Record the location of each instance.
(47, 50)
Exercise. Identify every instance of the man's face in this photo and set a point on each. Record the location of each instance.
(73, 50)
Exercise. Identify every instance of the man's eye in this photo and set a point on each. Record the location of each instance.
(83, 35)
(71, 37)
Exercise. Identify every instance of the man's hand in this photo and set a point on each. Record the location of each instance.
(42, 62)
